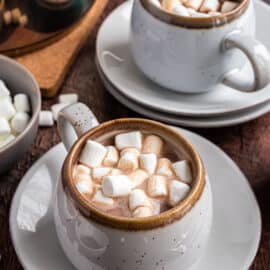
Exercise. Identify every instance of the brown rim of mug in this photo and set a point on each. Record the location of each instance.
(134, 224)
(193, 22)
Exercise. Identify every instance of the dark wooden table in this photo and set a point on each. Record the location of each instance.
(248, 145)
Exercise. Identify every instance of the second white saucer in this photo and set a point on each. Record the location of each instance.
(236, 227)
(198, 122)
(113, 53)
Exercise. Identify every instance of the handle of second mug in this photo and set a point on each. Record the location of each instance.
(259, 57)
(73, 121)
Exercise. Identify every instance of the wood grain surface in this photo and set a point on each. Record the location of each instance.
(248, 145)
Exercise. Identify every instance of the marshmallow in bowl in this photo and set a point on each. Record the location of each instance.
(93, 154)
(157, 186)
(19, 122)
(112, 156)
(142, 212)
(129, 159)
(4, 92)
(228, 6)
(132, 174)
(84, 184)
(210, 6)
(183, 171)
(138, 177)
(116, 186)
(7, 109)
(4, 127)
(129, 140)
(14, 114)
(148, 162)
(138, 198)
(178, 191)
(198, 8)
(152, 145)
(21, 103)
(100, 198)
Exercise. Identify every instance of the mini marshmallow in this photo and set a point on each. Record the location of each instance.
(112, 156)
(209, 5)
(46, 119)
(148, 162)
(68, 98)
(214, 13)
(180, 10)
(4, 92)
(93, 154)
(156, 3)
(84, 184)
(99, 173)
(19, 122)
(101, 199)
(138, 198)
(183, 171)
(116, 186)
(228, 6)
(7, 17)
(56, 108)
(138, 177)
(4, 127)
(15, 15)
(169, 4)
(128, 160)
(195, 4)
(129, 139)
(142, 212)
(164, 167)
(157, 186)
(7, 109)
(115, 172)
(178, 191)
(81, 169)
(23, 20)
(194, 13)
(152, 144)
(7, 140)
(21, 103)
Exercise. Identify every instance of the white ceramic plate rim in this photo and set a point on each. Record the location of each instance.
(210, 122)
(185, 109)
(25, 179)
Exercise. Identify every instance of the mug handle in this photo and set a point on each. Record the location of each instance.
(73, 121)
(258, 56)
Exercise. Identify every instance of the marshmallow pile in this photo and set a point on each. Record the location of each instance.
(136, 171)
(196, 8)
(14, 114)
(47, 118)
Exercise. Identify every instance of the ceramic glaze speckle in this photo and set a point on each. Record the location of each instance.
(93, 246)
(183, 59)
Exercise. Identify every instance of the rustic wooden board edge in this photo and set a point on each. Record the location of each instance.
(49, 87)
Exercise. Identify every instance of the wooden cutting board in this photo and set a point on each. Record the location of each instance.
(50, 64)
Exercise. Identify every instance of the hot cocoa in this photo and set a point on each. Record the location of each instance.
(132, 174)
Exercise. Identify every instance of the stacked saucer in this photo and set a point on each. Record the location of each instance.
(223, 106)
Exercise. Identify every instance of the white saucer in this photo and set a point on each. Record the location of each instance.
(116, 62)
(236, 226)
(198, 122)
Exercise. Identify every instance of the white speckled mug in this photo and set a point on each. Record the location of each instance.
(193, 55)
(91, 239)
